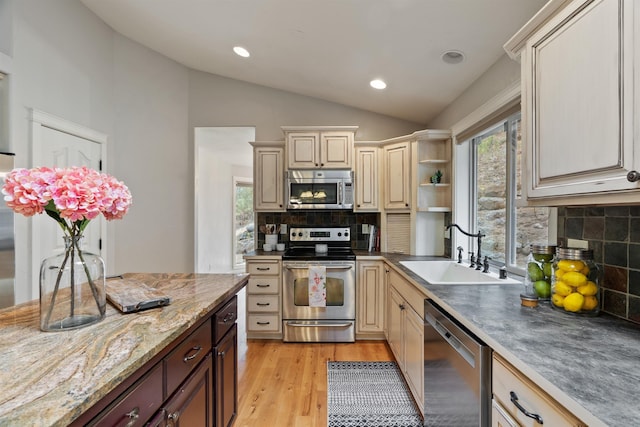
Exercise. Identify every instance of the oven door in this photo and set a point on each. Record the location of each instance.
(333, 323)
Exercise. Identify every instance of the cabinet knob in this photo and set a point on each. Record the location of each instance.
(172, 418)
(406, 204)
(633, 176)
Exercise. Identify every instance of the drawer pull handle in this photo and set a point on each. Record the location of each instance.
(172, 418)
(197, 349)
(263, 304)
(514, 400)
(263, 285)
(263, 268)
(133, 416)
(229, 316)
(263, 323)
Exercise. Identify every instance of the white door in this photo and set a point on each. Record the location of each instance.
(59, 143)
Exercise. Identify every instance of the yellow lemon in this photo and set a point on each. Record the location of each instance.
(588, 289)
(574, 278)
(590, 302)
(559, 273)
(562, 289)
(573, 302)
(570, 264)
(557, 300)
(585, 270)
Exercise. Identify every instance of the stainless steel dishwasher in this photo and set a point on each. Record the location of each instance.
(457, 373)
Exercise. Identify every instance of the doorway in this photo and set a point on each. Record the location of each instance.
(221, 154)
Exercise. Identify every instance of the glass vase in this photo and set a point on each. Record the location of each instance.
(72, 288)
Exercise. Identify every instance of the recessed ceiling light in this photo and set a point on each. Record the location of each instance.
(240, 51)
(378, 84)
(453, 57)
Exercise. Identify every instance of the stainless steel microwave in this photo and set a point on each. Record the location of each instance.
(319, 189)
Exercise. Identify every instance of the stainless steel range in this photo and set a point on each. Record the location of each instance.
(328, 251)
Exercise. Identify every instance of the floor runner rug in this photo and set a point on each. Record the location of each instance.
(369, 394)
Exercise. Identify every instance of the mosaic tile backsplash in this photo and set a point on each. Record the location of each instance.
(328, 218)
(613, 233)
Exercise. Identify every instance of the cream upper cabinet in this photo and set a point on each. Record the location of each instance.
(580, 89)
(268, 177)
(367, 179)
(319, 147)
(371, 294)
(397, 176)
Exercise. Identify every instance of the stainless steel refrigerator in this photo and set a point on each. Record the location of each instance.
(7, 247)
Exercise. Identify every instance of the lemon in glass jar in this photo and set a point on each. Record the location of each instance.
(573, 302)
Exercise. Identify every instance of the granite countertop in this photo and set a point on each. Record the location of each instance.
(50, 378)
(590, 365)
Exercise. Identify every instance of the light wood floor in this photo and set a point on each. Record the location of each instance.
(285, 384)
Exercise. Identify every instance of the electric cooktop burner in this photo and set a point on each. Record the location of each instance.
(329, 243)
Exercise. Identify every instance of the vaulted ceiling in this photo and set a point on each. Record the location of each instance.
(331, 49)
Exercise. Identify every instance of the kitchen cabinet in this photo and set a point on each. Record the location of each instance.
(264, 298)
(405, 334)
(580, 102)
(371, 300)
(514, 395)
(434, 155)
(268, 176)
(191, 405)
(178, 389)
(397, 176)
(226, 379)
(367, 179)
(319, 147)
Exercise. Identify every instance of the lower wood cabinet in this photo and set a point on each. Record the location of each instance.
(371, 294)
(518, 402)
(226, 378)
(191, 405)
(405, 333)
(192, 382)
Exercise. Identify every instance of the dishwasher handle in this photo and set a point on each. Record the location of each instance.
(454, 342)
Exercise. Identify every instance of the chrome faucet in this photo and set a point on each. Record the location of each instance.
(478, 235)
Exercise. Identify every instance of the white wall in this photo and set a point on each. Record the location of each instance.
(67, 62)
(61, 63)
(502, 74)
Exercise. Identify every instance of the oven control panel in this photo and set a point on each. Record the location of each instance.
(330, 234)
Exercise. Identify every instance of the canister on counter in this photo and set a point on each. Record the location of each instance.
(575, 285)
(537, 281)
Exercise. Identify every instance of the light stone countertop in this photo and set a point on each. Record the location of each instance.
(590, 365)
(50, 378)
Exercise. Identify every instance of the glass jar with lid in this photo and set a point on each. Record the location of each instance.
(537, 281)
(575, 285)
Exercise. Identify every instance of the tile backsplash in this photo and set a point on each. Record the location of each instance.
(613, 233)
(329, 218)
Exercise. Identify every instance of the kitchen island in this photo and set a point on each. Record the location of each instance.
(587, 364)
(52, 378)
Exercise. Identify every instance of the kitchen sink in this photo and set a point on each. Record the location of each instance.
(454, 273)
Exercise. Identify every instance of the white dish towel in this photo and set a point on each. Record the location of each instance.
(317, 286)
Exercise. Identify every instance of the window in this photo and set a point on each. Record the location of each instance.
(496, 189)
(243, 224)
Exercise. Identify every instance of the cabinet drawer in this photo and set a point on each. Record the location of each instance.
(508, 380)
(263, 268)
(138, 404)
(181, 361)
(263, 303)
(263, 322)
(225, 318)
(263, 285)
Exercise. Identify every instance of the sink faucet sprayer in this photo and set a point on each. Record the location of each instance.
(478, 235)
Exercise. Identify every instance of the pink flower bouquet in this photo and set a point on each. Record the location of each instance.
(73, 197)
